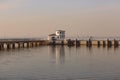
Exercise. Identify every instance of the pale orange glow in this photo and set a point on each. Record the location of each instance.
(19, 19)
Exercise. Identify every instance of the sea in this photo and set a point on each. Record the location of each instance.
(60, 63)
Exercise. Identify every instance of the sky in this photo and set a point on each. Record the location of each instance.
(38, 18)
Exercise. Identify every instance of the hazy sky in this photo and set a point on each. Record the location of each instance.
(36, 18)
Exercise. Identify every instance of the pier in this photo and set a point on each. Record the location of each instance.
(29, 43)
(20, 43)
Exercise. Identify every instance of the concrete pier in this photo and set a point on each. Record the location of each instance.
(29, 43)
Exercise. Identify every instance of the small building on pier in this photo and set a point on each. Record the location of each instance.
(58, 35)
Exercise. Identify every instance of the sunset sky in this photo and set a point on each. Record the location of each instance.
(38, 18)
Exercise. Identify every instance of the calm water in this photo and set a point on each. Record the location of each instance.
(60, 63)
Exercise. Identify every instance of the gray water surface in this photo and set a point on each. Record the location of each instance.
(60, 63)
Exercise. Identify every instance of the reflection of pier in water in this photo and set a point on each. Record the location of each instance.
(57, 54)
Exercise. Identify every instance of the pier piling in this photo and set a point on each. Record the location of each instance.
(98, 42)
(109, 43)
(116, 43)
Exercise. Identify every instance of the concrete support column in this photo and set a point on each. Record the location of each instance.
(98, 43)
(62, 42)
(36, 44)
(32, 44)
(89, 43)
(77, 42)
(23, 45)
(28, 45)
(70, 43)
(104, 43)
(109, 43)
(18, 45)
(13, 45)
(54, 42)
(1, 47)
(8, 45)
(116, 43)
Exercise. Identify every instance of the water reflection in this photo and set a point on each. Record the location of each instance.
(57, 54)
(62, 63)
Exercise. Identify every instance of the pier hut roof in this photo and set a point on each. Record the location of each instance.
(61, 30)
(52, 35)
